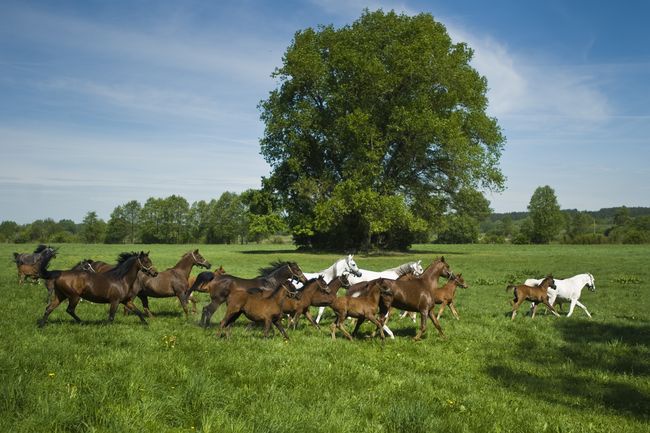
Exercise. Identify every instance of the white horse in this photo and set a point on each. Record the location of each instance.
(346, 264)
(568, 290)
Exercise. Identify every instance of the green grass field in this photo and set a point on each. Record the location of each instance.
(489, 374)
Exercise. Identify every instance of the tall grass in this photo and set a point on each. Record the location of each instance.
(488, 374)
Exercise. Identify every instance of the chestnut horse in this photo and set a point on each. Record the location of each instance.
(417, 294)
(29, 264)
(113, 287)
(221, 286)
(258, 305)
(536, 294)
(446, 294)
(299, 304)
(170, 282)
(362, 305)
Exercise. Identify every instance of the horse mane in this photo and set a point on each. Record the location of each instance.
(271, 293)
(40, 248)
(274, 266)
(403, 269)
(122, 268)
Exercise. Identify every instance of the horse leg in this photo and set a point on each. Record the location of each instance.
(442, 308)
(193, 301)
(423, 325)
(208, 311)
(131, 306)
(51, 306)
(227, 322)
(145, 305)
(579, 304)
(435, 321)
(340, 319)
(281, 329)
(360, 320)
(72, 304)
(551, 309)
(267, 327)
(515, 307)
(534, 310)
(112, 310)
(310, 318)
(379, 326)
(453, 310)
(321, 310)
(571, 307)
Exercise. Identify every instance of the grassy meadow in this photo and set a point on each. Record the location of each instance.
(488, 375)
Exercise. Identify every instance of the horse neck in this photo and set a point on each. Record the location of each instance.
(333, 271)
(279, 275)
(184, 265)
(433, 272)
(334, 286)
(130, 276)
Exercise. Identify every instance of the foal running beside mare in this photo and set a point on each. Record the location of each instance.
(568, 290)
(536, 294)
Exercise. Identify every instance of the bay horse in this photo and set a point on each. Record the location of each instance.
(113, 287)
(258, 306)
(170, 282)
(220, 286)
(362, 307)
(299, 304)
(417, 294)
(536, 294)
(28, 264)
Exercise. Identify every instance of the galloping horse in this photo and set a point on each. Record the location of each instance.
(171, 282)
(113, 287)
(28, 264)
(569, 290)
(418, 294)
(258, 306)
(536, 294)
(220, 286)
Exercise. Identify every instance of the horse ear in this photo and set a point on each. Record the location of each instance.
(459, 275)
(196, 250)
(419, 262)
(442, 258)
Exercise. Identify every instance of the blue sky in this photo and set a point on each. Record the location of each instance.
(105, 102)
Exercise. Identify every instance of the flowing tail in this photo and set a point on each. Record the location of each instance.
(201, 279)
(16, 258)
(514, 288)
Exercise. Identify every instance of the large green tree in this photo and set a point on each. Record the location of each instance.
(93, 228)
(546, 219)
(384, 112)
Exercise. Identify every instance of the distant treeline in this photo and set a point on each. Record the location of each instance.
(249, 217)
(231, 218)
(629, 225)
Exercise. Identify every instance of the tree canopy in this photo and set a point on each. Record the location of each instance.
(374, 128)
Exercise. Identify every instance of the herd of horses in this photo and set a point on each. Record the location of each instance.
(282, 290)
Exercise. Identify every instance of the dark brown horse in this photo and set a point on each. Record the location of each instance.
(299, 304)
(113, 287)
(417, 294)
(221, 286)
(29, 264)
(258, 305)
(171, 282)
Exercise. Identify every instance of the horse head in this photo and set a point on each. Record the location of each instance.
(591, 284)
(351, 266)
(145, 264)
(199, 260)
(416, 268)
(460, 281)
(322, 284)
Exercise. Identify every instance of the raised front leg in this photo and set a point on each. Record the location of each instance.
(453, 311)
(579, 304)
(55, 302)
(131, 306)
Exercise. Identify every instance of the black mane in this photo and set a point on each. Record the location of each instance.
(124, 261)
(40, 248)
(274, 266)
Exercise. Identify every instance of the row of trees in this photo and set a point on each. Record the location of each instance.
(229, 219)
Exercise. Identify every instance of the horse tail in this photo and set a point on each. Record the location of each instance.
(511, 287)
(201, 279)
(16, 258)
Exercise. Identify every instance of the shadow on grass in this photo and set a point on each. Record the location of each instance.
(575, 391)
(595, 366)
